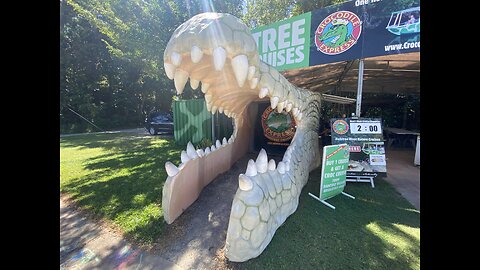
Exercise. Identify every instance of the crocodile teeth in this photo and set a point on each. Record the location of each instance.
(205, 87)
(295, 111)
(230, 140)
(271, 165)
(251, 72)
(299, 116)
(208, 98)
(224, 141)
(184, 157)
(244, 182)
(191, 152)
(251, 168)
(214, 109)
(209, 106)
(240, 68)
(176, 59)
(280, 106)
(180, 80)
(212, 148)
(262, 161)
(263, 92)
(194, 83)
(219, 57)
(274, 102)
(169, 70)
(281, 167)
(200, 152)
(218, 144)
(220, 109)
(253, 83)
(171, 169)
(207, 151)
(196, 54)
(288, 108)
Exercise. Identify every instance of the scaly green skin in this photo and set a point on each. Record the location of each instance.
(268, 192)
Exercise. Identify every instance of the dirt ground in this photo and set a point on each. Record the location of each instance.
(196, 239)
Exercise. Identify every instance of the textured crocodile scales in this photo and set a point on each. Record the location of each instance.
(217, 53)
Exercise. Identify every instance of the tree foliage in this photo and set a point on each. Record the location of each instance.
(111, 54)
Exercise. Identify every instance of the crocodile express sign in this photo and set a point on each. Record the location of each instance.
(351, 30)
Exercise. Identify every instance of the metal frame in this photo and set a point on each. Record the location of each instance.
(361, 178)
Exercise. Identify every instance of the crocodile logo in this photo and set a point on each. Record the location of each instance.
(338, 32)
(277, 127)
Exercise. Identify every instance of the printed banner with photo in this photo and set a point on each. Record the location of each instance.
(364, 137)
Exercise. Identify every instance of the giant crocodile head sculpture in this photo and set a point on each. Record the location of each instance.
(218, 51)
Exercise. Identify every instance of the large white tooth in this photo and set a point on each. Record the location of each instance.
(263, 92)
(230, 140)
(200, 152)
(184, 157)
(208, 98)
(271, 165)
(219, 57)
(274, 102)
(251, 168)
(171, 169)
(176, 58)
(205, 87)
(251, 72)
(253, 83)
(224, 141)
(288, 108)
(244, 182)
(262, 161)
(280, 106)
(169, 70)
(214, 109)
(220, 109)
(213, 148)
(295, 111)
(191, 152)
(194, 83)
(180, 80)
(218, 144)
(226, 112)
(207, 150)
(281, 167)
(240, 68)
(196, 54)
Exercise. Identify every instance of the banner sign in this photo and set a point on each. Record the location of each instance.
(364, 137)
(334, 167)
(352, 30)
(285, 44)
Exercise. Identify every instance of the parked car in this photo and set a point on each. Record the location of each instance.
(159, 122)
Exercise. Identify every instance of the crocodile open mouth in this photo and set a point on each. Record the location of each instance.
(218, 55)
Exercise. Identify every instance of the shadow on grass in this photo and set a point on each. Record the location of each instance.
(124, 182)
(377, 230)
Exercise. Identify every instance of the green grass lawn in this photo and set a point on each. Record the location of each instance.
(120, 178)
(377, 230)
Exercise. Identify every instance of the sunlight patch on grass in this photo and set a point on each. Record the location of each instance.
(400, 241)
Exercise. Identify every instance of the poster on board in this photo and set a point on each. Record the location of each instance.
(334, 167)
(364, 137)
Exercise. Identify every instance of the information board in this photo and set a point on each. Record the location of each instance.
(364, 137)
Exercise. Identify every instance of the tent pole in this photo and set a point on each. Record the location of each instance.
(359, 88)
